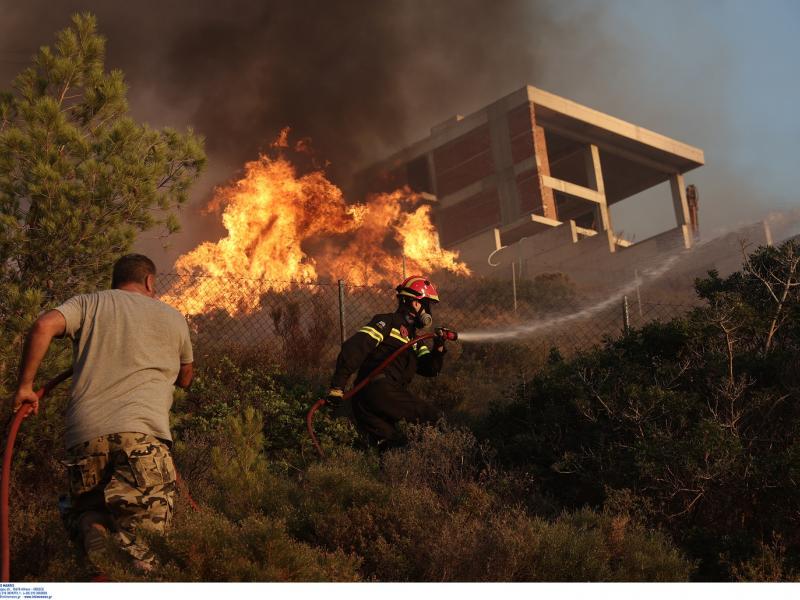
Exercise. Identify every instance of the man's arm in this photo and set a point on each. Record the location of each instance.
(41, 334)
(185, 376)
(429, 362)
(356, 349)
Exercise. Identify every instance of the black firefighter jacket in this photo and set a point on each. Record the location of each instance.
(376, 341)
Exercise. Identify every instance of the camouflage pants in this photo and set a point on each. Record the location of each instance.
(125, 481)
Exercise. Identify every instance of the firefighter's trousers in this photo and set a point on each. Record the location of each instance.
(382, 404)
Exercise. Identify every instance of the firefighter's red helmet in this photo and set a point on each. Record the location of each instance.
(418, 288)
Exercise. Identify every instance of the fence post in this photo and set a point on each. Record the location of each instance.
(341, 310)
(638, 292)
(514, 282)
(404, 266)
(626, 315)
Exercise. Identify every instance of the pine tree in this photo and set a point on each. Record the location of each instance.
(78, 179)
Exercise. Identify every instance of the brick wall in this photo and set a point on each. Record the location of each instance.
(528, 140)
(470, 216)
(530, 193)
(463, 161)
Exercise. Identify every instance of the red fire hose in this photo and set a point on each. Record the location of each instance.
(440, 332)
(5, 476)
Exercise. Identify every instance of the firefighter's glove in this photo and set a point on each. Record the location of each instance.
(335, 398)
(439, 344)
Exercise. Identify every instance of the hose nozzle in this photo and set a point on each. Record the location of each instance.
(448, 334)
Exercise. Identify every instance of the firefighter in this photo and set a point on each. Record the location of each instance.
(386, 401)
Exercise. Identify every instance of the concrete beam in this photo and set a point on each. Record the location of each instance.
(604, 122)
(609, 147)
(545, 220)
(577, 231)
(572, 189)
(525, 226)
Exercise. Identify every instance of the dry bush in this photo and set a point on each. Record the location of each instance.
(431, 514)
(206, 546)
(768, 564)
(439, 509)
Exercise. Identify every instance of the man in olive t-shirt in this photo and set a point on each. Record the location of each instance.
(129, 350)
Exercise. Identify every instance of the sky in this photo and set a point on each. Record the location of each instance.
(365, 78)
(718, 75)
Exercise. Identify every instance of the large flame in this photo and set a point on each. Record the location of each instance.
(283, 227)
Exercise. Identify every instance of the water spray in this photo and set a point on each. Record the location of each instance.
(533, 327)
(788, 221)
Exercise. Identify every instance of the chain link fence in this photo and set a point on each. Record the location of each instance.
(301, 326)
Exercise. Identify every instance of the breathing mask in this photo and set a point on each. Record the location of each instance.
(422, 317)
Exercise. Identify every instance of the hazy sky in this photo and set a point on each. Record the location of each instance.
(720, 75)
(364, 78)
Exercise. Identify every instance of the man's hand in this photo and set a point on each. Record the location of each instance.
(44, 329)
(442, 335)
(25, 394)
(335, 398)
(438, 343)
(185, 376)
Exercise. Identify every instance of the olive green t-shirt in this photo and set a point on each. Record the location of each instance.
(127, 352)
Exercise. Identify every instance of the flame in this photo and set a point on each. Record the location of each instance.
(284, 227)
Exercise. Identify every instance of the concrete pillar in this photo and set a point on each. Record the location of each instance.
(594, 178)
(573, 230)
(500, 143)
(543, 168)
(681, 205)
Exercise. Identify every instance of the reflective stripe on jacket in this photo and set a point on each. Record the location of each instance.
(376, 341)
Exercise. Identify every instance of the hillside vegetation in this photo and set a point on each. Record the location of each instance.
(667, 454)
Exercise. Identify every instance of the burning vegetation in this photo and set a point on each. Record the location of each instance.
(284, 227)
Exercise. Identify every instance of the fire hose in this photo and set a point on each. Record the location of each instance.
(5, 476)
(447, 334)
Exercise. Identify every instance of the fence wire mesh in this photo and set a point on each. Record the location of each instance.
(300, 325)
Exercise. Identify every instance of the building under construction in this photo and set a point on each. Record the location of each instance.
(542, 169)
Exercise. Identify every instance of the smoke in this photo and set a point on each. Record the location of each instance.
(357, 77)
(360, 78)
(364, 78)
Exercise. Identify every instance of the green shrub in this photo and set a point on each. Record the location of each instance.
(225, 388)
(768, 564)
(432, 513)
(240, 477)
(440, 509)
(39, 545)
(206, 546)
(692, 416)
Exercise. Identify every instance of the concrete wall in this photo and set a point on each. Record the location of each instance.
(590, 265)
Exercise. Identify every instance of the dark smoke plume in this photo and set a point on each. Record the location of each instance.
(360, 78)
(356, 76)
(363, 78)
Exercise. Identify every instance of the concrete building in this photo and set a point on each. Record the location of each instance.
(537, 173)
